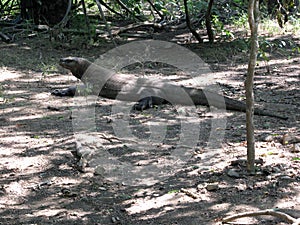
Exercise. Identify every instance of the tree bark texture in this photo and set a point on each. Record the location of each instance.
(253, 13)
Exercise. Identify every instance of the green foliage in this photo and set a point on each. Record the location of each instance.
(283, 46)
(282, 10)
(4, 99)
(220, 29)
(265, 47)
(295, 22)
(169, 9)
(226, 17)
(1, 94)
(230, 11)
(86, 90)
(173, 191)
(197, 8)
(241, 21)
(48, 68)
(239, 2)
(89, 3)
(161, 6)
(241, 44)
(8, 7)
(218, 25)
(135, 5)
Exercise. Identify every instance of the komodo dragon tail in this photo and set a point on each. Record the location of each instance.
(232, 104)
(208, 98)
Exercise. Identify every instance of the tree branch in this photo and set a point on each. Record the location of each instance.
(123, 6)
(64, 20)
(155, 9)
(110, 9)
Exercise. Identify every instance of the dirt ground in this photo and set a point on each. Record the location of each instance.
(44, 180)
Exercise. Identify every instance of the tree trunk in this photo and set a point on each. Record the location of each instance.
(209, 29)
(253, 13)
(188, 22)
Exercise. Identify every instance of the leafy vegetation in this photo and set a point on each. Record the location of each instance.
(226, 16)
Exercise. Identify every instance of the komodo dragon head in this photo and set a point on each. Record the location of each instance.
(76, 65)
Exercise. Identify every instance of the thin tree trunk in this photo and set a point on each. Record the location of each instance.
(123, 6)
(253, 13)
(110, 9)
(209, 29)
(188, 22)
(87, 21)
(155, 9)
(106, 24)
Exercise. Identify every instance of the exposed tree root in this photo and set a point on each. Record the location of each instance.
(267, 212)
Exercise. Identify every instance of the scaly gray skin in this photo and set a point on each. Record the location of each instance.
(141, 90)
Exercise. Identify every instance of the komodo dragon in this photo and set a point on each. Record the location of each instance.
(144, 91)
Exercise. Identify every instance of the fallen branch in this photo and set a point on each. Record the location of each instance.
(267, 212)
(182, 25)
(142, 35)
(189, 193)
(4, 37)
(136, 25)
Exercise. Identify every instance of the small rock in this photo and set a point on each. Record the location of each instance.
(82, 164)
(102, 189)
(233, 173)
(68, 193)
(99, 170)
(267, 138)
(53, 108)
(212, 187)
(200, 187)
(276, 170)
(286, 178)
(115, 219)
